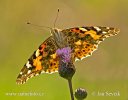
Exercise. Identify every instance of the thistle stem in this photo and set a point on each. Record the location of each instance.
(70, 87)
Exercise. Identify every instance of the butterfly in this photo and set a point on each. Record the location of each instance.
(82, 40)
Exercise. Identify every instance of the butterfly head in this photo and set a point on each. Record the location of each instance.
(55, 30)
(58, 36)
(56, 33)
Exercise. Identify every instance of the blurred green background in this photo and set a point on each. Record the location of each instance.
(105, 71)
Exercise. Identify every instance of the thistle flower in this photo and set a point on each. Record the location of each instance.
(66, 70)
(66, 66)
(80, 94)
(64, 54)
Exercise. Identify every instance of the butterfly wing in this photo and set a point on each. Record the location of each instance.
(43, 60)
(85, 40)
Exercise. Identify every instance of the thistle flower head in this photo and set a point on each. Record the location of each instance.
(66, 70)
(64, 54)
(80, 94)
(66, 66)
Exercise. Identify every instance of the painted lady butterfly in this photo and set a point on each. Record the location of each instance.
(82, 40)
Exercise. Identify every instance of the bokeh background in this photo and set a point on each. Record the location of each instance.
(105, 71)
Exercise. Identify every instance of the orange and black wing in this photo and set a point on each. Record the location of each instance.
(43, 60)
(85, 40)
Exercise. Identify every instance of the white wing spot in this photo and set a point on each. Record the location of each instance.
(29, 71)
(37, 74)
(97, 28)
(83, 58)
(37, 53)
(21, 73)
(42, 72)
(76, 59)
(107, 28)
(28, 65)
(56, 70)
(83, 29)
(104, 32)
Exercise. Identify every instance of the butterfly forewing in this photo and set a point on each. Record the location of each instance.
(43, 60)
(85, 40)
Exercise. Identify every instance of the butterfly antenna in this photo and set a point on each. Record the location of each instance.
(56, 17)
(38, 25)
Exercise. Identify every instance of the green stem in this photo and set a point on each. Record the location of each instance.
(70, 87)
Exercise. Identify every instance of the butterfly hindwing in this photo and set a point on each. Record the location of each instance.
(43, 60)
(85, 40)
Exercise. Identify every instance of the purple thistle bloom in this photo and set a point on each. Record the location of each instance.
(66, 67)
(64, 54)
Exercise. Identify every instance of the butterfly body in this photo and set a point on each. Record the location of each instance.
(82, 41)
(59, 37)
